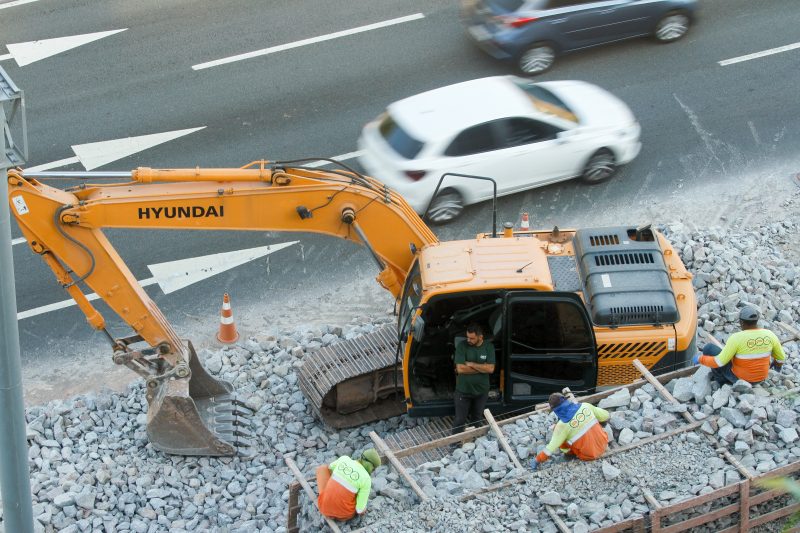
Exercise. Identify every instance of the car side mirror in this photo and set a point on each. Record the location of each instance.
(563, 136)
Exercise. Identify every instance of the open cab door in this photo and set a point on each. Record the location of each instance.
(549, 344)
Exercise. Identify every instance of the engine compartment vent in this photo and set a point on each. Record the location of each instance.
(624, 259)
(603, 240)
(640, 313)
(625, 279)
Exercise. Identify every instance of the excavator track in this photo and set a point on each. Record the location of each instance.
(353, 382)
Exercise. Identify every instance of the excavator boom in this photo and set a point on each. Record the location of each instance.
(191, 412)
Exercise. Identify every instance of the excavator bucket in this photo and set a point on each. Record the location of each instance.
(197, 415)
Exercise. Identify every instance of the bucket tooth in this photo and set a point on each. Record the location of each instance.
(238, 403)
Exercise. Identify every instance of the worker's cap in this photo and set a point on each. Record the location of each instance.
(556, 399)
(748, 314)
(370, 460)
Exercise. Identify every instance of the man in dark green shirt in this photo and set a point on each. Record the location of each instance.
(474, 362)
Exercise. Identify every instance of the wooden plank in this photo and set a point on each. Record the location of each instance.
(557, 519)
(744, 506)
(444, 441)
(699, 500)
(774, 515)
(785, 470)
(385, 451)
(670, 398)
(496, 486)
(794, 331)
(501, 438)
(709, 337)
(309, 491)
(654, 503)
(636, 524)
(478, 432)
(525, 477)
(686, 525)
(294, 506)
(746, 472)
(655, 383)
(761, 497)
(654, 438)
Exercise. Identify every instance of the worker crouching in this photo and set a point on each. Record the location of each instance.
(344, 485)
(577, 432)
(747, 355)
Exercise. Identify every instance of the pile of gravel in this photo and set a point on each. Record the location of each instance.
(92, 467)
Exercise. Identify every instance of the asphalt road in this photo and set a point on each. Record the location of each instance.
(711, 134)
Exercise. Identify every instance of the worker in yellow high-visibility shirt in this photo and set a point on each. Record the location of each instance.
(344, 485)
(747, 355)
(577, 432)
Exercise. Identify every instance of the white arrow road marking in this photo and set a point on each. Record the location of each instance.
(343, 157)
(7, 56)
(17, 241)
(97, 154)
(33, 51)
(54, 164)
(304, 42)
(15, 3)
(178, 274)
(93, 155)
(69, 303)
(174, 275)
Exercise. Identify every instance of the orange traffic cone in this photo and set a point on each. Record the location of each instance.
(227, 329)
(525, 224)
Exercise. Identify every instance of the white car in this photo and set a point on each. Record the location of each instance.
(521, 134)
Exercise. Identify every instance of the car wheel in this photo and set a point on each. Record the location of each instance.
(600, 167)
(447, 206)
(671, 27)
(536, 59)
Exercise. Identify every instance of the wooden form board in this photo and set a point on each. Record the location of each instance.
(638, 523)
(298, 475)
(385, 451)
(742, 507)
(743, 470)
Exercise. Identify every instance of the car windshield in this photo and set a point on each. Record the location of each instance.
(400, 141)
(546, 102)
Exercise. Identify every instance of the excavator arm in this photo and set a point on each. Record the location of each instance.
(65, 229)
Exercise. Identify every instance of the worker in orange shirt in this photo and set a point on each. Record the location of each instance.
(747, 355)
(344, 485)
(577, 432)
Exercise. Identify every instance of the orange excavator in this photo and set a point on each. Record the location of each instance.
(563, 308)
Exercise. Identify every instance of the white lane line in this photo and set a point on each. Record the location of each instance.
(343, 157)
(7, 56)
(759, 54)
(304, 42)
(54, 164)
(16, 3)
(17, 241)
(69, 303)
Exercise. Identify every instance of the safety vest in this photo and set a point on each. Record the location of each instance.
(347, 491)
(582, 435)
(749, 353)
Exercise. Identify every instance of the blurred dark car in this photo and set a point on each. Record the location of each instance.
(533, 32)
